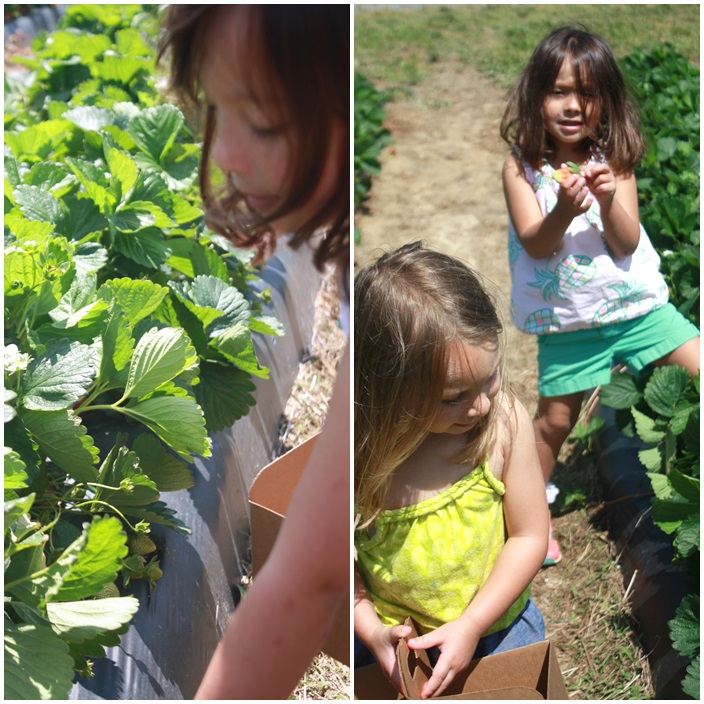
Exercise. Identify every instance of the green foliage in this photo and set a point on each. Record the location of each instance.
(663, 411)
(121, 309)
(370, 138)
(666, 87)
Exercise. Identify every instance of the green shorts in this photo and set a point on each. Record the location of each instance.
(576, 361)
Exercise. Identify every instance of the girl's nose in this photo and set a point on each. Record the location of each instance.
(480, 407)
(572, 103)
(229, 152)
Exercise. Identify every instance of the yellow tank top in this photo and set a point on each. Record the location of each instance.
(429, 560)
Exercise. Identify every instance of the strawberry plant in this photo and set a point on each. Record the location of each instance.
(662, 409)
(370, 138)
(122, 312)
(667, 88)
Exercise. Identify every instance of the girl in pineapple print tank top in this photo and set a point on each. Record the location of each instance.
(585, 277)
(580, 284)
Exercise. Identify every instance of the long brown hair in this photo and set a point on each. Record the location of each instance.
(617, 135)
(303, 50)
(408, 307)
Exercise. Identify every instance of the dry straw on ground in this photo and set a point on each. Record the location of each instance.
(304, 414)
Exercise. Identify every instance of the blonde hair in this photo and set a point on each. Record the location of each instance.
(409, 307)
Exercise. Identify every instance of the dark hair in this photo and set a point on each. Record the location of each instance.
(303, 50)
(409, 307)
(617, 135)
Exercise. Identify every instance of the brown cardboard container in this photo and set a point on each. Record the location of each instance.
(530, 672)
(269, 497)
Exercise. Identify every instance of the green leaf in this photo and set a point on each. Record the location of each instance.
(179, 422)
(37, 663)
(132, 487)
(651, 459)
(38, 204)
(691, 682)
(90, 118)
(137, 299)
(118, 345)
(147, 247)
(684, 628)
(15, 474)
(158, 513)
(646, 427)
(51, 177)
(168, 473)
(685, 486)
(160, 356)
(58, 378)
(78, 621)
(156, 129)
(236, 345)
(621, 392)
(15, 508)
(89, 258)
(224, 393)
(687, 537)
(82, 218)
(123, 172)
(61, 437)
(91, 561)
(665, 388)
(267, 325)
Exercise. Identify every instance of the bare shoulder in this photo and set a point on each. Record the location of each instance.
(514, 429)
(513, 166)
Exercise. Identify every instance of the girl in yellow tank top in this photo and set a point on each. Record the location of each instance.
(450, 503)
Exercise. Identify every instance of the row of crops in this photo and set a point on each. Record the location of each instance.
(121, 310)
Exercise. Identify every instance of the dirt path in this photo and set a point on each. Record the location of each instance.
(440, 182)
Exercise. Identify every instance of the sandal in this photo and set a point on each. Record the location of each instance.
(554, 555)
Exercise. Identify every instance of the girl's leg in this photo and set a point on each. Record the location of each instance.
(556, 417)
(686, 355)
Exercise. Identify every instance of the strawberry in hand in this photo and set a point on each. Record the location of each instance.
(565, 170)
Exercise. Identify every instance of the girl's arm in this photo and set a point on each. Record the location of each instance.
(541, 235)
(381, 640)
(526, 516)
(618, 203)
(282, 621)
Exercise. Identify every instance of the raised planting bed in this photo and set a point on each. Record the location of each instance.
(645, 553)
(165, 651)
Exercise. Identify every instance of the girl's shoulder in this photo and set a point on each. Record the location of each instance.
(512, 420)
(517, 165)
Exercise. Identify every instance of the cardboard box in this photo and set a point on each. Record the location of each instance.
(530, 672)
(269, 497)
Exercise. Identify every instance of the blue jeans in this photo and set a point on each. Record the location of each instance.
(527, 628)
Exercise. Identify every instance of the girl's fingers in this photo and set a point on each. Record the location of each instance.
(438, 683)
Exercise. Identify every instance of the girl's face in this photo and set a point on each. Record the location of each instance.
(570, 116)
(473, 380)
(252, 144)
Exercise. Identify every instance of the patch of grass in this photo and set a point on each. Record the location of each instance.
(399, 47)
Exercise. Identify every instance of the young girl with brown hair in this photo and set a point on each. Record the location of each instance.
(269, 84)
(451, 515)
(585, 277)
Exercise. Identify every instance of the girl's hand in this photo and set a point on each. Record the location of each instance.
(457, 642)
(602, 182)
(382, 643)
(574, 196)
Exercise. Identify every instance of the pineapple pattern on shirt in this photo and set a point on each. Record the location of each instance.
(581, 285)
